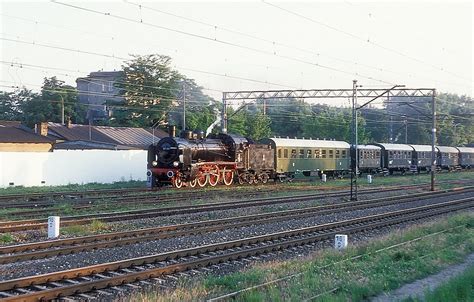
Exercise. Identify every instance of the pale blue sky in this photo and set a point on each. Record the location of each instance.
(429, 36)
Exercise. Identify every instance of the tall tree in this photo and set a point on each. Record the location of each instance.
(149, 86)
(9, 106)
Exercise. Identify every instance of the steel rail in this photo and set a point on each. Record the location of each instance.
(37, 250)
(22, 225)
(46, 286)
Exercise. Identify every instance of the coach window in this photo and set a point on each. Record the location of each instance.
(279, 153)
(301, 153)
(331, 153)
(317, 153)
(377, 153)
(323, 153)
(285, 153)
(309, 153)
(293, 153)
(344, 154)
(338, 153)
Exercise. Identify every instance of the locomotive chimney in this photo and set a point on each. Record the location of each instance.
(172, 130)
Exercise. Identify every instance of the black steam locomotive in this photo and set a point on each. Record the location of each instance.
(195, 160)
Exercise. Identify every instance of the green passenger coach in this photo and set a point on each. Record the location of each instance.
(310, 157)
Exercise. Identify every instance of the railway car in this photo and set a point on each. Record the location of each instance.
(466, 157)
(369, 159)
(309, 157)
(447, 158)
(421, 159)
(396, 157)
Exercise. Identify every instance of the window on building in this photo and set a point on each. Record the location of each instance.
(103, 87)
(111, 86)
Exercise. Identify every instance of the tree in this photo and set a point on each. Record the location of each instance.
(149, 86)
(258, 126)
(58, 94)
(9, 107)
(47, 105)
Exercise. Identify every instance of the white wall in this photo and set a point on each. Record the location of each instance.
(63, 167)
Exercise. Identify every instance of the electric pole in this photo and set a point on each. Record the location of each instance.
(184, 105)
(433, 139)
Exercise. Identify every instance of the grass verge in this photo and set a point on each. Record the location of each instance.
(356, 274)
(96, 226)
(460, 288)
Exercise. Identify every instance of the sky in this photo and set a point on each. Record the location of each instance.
(245, 45)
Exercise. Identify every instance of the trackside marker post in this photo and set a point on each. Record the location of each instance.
(340, 242)
(369, 179)
(323, 177)
(53, 227)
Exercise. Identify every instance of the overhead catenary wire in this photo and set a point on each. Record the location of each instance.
(274, 42)
(220, 41)
(354, 36)
(225, 75)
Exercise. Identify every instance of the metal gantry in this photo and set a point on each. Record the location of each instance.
(357, 92)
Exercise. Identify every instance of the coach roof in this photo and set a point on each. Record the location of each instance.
(396, 147)
(422, 148)
(309, 143)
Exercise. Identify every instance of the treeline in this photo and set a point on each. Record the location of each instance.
(153, 95)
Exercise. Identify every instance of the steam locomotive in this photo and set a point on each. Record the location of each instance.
(195, 160)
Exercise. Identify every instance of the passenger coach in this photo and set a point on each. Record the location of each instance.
(310, 157)
(466, 157)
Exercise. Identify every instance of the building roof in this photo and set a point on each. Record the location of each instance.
(309, 143)
(124, 136)
(88, 145)
(20, 135)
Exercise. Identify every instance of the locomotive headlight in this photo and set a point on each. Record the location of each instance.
(154, 163)
(175, 163)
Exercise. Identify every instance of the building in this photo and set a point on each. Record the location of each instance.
(96, 90)
(74, 136)
(15, 137)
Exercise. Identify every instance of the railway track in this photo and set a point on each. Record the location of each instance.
(125, 195)
(46, 249)
(38, 223)
(91, 278)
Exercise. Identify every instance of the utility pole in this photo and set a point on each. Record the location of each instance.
(62, 109)
(224, 115)
(184, 105)
(355, 159)
(406, 129)
(264, 106)
(433, 139)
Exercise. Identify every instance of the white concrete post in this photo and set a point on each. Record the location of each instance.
(53, 227)
(340, 242)
(323, 177)
(369, 179)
